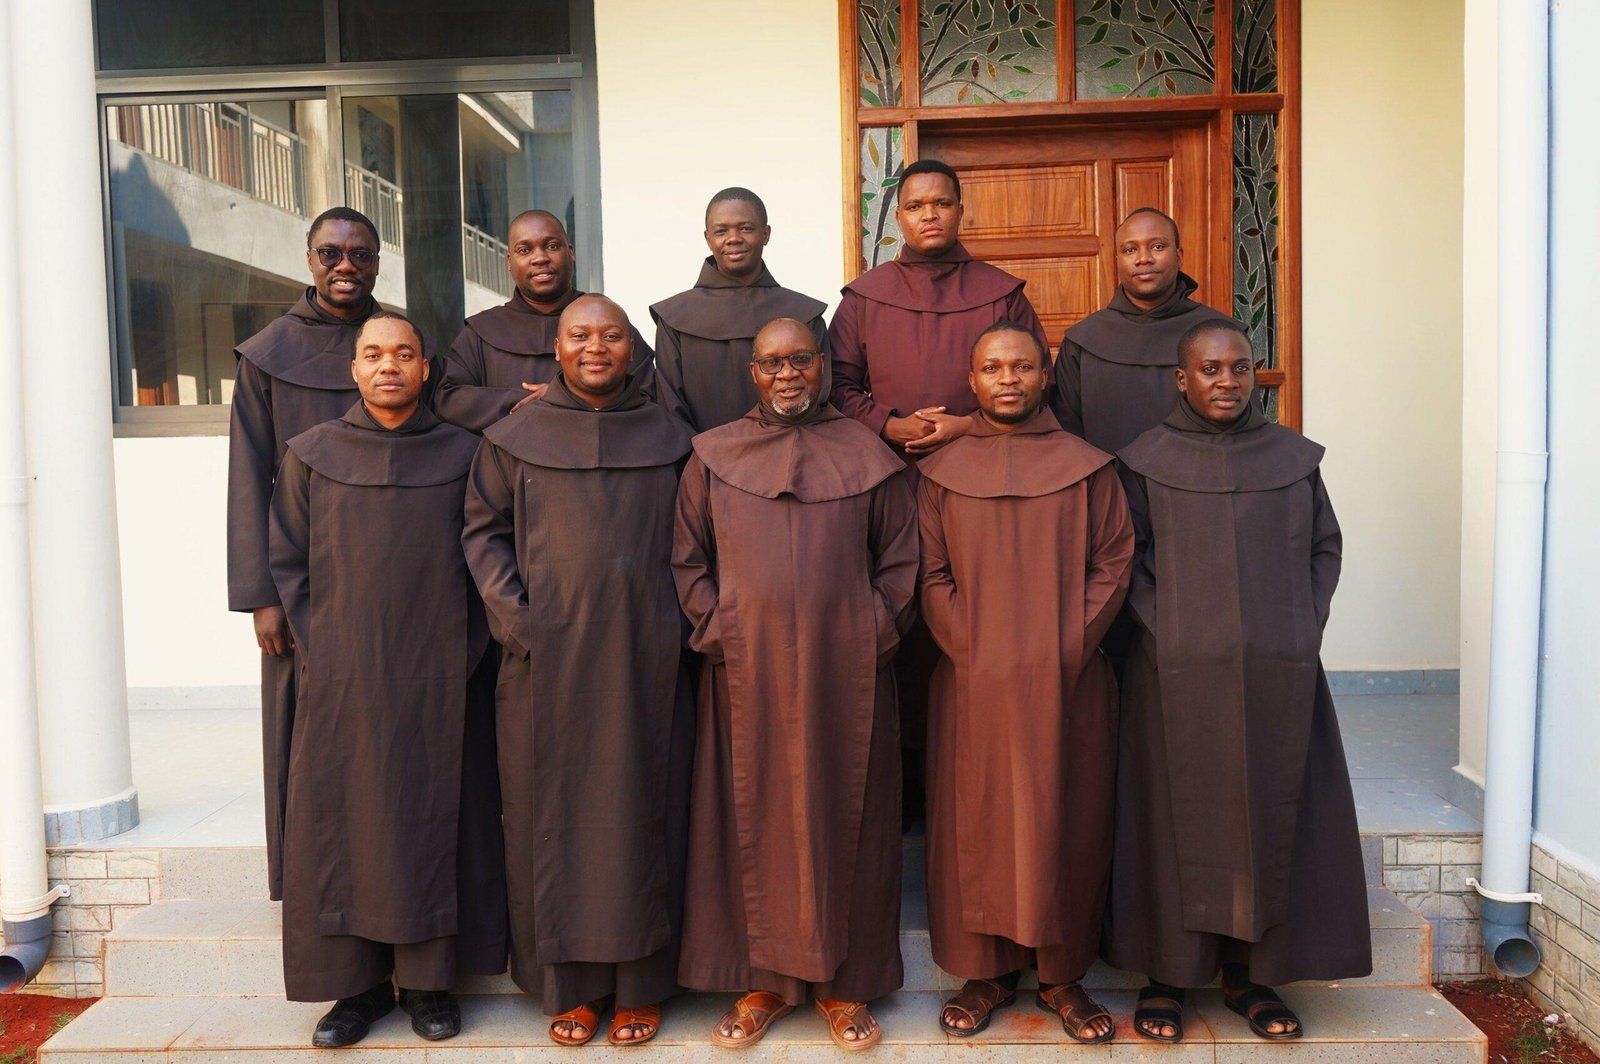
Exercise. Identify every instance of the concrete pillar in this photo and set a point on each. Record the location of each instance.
(430, 174)
(61, 286)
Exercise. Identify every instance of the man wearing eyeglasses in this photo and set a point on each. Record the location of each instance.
(704, 336)
(796, 560)
(292, 375)
(504, 358)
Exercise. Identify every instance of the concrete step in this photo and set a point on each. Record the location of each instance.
(1344, 1025)
(231, 947)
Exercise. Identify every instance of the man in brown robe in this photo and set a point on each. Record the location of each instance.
(901, 341)
(392, 850)
(504, 357)
(1114, 370)
(1022, 721)
(293, 375)
(704, 335)
(796, 561)
(1236, 841)
(569, 536)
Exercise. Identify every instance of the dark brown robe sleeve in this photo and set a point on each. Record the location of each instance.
(694, 559)
(940, 607)
(488, 537)
(892, 539)
(1110, 556)
(252, 461)
(851, 379)
(289, 545)
(669, 374)
(462, 398)
(1068, 402)
(1142, 581)
(1327, 546)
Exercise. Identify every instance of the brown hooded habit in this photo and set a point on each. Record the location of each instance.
(903, 334)
(391, 828)
(500, 349)
(292, 376)
(1022, 719)
(569, 536)
(796, 560)
(704, 338)
(1236, 836)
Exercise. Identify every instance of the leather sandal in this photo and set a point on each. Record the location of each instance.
(1159, 1006)
(1261, 1006)
(643, 1016)
(753, 1013)
(978, 1001)
(1077, 1010)
(587, 1015)
(843, 1016)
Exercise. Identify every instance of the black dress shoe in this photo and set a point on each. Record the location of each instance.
(435, 1015)
(351, 1018)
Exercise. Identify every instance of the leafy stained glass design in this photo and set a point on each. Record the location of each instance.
(882, 157)
(1255, 232)
(986, 51)
(878, 41)
(1255, 46)
(1130, 48)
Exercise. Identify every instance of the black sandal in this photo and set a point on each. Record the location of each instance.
(978, 1000)
(1261, 1006)
(1159, 1005)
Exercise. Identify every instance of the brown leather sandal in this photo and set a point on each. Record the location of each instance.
(588, 1015)
(643, 1016)
(978, 1001)
(753, 1013)
(845, 1016)
(1077, 1010)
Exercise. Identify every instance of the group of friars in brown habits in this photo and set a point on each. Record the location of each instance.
(612, 661)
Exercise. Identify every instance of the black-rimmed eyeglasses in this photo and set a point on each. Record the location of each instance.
(360, 258)
(800, 360)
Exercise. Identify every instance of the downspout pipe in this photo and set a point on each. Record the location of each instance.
(25, 894)
(1522, 462)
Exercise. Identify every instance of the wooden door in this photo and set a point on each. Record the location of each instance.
(1043, 203)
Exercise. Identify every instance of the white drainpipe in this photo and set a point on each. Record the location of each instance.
(1522, 462)
(25, 895)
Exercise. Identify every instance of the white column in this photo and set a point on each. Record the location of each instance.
(77, 614)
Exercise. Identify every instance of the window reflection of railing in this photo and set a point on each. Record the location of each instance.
(483, 260)
(222, 142)
(379, 200)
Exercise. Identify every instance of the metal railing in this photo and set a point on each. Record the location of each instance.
(483, 260)
(222, 142)
(379, 200)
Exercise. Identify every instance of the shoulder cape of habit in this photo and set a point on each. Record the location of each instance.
(942, 284)
(1188, 453)
(1128, 334)
(306, 346)
(518, 328)
(720, 308)
(560, 431)
(356, 450)
(1036, 458)
(827, 457)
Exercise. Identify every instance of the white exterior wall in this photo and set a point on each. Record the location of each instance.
(1381, 181)
(1569, 704)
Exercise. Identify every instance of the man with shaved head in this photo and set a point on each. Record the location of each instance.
(704, 335)
(1022, 721)
(505, 356)
(796, 562)
(1114, 370)
(569, 537)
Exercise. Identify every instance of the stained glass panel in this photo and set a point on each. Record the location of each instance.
(1255, 46)
(986, 51)
(882, 157)
(1132, 48)
(878, 42)
(1256, 277)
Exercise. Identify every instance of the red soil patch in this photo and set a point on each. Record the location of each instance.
(28, 1020)
(1515, 1025)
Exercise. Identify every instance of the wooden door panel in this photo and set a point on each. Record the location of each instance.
(1146, 183)
(1064, 289)
(1041, 201)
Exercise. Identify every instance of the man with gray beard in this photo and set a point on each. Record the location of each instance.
(795, 557)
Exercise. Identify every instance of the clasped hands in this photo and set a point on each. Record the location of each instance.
(926, 430)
